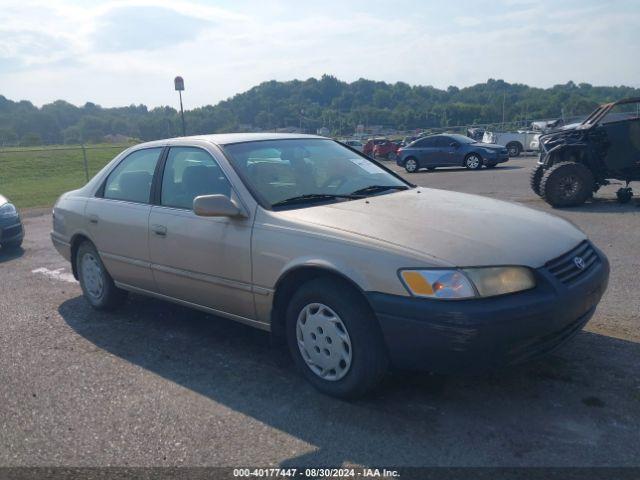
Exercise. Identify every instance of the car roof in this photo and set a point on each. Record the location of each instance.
(229, 138)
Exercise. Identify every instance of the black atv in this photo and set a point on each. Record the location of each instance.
(576, 160)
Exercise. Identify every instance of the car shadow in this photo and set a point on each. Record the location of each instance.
(462, 169)
(577, 407)
(605, 205)
(8, 254)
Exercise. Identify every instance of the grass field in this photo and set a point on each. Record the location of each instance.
(35, 177)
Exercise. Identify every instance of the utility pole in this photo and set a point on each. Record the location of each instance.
(178, 83)
(504, 96)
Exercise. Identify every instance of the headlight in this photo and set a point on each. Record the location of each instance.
(438, 283)
(467, 283)
(8, 210)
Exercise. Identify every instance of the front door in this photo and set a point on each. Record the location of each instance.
(118, 219)
(201, 260)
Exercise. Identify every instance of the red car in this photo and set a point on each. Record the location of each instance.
(381, 148)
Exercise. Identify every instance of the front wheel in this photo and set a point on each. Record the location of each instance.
(473, 161)
(411, 165)
(96, 283)
(535, 178)
(566, 184)
(334, 338)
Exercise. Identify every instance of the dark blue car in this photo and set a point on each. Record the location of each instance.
(11, 231)
(450, 150)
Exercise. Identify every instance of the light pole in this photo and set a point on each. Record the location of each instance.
(178, 83)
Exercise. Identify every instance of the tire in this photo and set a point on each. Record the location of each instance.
(473, 161)
(514, 149)
(353, 334)
(566, 184)
(96, 283)
(411, 165)
(624, 195)
(535, 177)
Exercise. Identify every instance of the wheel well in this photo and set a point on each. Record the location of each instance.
(515, 142)
(289, 283)
(76, 241)
(410, 157)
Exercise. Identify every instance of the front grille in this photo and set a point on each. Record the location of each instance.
(566, 269)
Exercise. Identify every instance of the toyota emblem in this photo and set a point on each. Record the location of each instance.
(579, 261)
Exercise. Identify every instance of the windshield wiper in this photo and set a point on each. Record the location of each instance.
(312, 197)
(378, 188)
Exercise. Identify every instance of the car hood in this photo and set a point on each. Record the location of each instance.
(456, 228)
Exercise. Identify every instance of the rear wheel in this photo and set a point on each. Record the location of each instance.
(535, 177)
(411, 165)
(334, 338)
(96, 283)
(514, 149)
(566, 184)
(624, 195)
(473, 161)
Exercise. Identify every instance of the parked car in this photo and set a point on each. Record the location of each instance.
(450, 150)
(578, 159)
(368, 147)
(338, 257)
(11, 229)
(476, 133)
(355, 144)
(385, 149)
(516, 142)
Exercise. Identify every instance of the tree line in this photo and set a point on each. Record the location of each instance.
(310, 104)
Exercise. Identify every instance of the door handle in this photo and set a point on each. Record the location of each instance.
(93, 219)
(159, 230)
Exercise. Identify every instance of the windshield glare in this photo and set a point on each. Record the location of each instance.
(278, 170)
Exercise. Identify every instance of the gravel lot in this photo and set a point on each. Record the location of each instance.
(157, 384)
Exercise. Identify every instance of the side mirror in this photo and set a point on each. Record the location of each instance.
(217, 206)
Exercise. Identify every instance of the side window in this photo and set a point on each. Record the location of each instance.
(131, 179)
(443, 141)
(426, 143)
(189, 173)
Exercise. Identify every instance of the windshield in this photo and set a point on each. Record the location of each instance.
(462, 138)
(278, 171)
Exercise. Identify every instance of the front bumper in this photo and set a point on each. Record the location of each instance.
(11, 230)
(484, 334)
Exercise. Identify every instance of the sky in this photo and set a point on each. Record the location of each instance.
(122, 52)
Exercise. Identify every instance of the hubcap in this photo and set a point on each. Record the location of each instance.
(411, 165)
(513, 151)
(569, 186)
(324, 342)
(92, 276)
(473, 161)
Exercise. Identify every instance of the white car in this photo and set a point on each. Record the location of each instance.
(516, 142)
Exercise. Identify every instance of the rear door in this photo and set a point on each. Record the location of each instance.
(427, 151)
(118, 218)
(201, 260)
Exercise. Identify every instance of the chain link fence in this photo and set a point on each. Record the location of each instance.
(35, 177)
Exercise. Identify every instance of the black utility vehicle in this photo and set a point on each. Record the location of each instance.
(575, 162)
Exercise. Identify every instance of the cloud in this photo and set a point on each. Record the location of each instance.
(81, 51)
(145, 28)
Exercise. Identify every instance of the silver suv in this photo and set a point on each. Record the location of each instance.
(347, 263)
